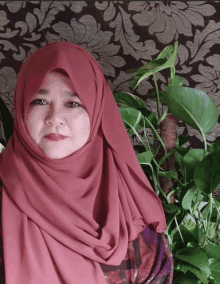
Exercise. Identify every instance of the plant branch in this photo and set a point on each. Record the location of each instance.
(158, 96)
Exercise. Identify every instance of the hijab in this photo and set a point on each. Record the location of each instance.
(62, 217)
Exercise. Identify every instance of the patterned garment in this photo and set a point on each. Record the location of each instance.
(148, 260)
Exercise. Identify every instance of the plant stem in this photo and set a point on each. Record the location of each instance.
(162, 192)
(158, 96)
(209, 218)
(205, 144)
(196, 202)
(178, 180)
(157, 135)
(178, 229)
(138, 136)
(146, 136)
(203, 222)
(147, 139)
(181, 168)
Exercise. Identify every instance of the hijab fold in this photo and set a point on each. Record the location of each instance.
(62, 217)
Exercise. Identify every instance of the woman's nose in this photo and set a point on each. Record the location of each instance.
(55, 116)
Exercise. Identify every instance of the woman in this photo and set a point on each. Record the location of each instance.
(76, 208)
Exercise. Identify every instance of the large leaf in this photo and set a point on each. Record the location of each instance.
(188, 236)
(176, 81)
(215, 269)
(156, 65)
(132, 101)
(212, 250)
(182, 139)
(166, 52)
(131, 117)
(215, 146)
(205, 212)
(193, 107)
(188, 278)
(153, 97)
(168, 175)
(193, 157)
(129, 100)
(196, 257)
(188, 197)
(145, 157)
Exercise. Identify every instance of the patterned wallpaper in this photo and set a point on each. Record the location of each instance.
(121, 35)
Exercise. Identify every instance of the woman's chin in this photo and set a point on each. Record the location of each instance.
(56, 154)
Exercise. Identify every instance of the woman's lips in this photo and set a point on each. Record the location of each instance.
(55, 137)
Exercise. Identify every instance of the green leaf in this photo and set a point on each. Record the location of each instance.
(145, 157)
(161, 97)
(189, 236)
(131, 71)
(212, 250)
(196, 257)
(188, 278)
(190, 223)
(215, 146)
(201, 235)
(170, 218)
(206, 210)
(206, 174)
(184, 190)
(182, 139)
(212, 231)
(131, 132)
(193, 107)
(154, 66)
(171, 208)
(167, 51)
(168, 175)
(176, 81)
(217, 201)
(193, 157)
(199, 273)
(132, 101)
(146, 70)
(188, 197)
(215, 269)
(131, 116)
(182, 151)
(129, 100)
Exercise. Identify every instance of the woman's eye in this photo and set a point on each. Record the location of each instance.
(75, 103)
(37, 102)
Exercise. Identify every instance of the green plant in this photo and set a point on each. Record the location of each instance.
(193, 221)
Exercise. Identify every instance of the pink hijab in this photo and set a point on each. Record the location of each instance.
(62, 217)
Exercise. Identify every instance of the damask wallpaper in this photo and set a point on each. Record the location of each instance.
(121, 35)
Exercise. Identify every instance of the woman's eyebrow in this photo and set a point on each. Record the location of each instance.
(46, 92)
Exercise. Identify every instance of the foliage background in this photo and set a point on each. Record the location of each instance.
(121, 35)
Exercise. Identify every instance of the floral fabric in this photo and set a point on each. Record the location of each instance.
(148, 260)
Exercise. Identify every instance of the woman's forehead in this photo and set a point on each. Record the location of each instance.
(57, 75)
(60, 71)
(51, 78)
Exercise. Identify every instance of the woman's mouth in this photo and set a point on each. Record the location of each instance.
(55, 137)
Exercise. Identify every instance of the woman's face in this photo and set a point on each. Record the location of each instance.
(52, 110)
